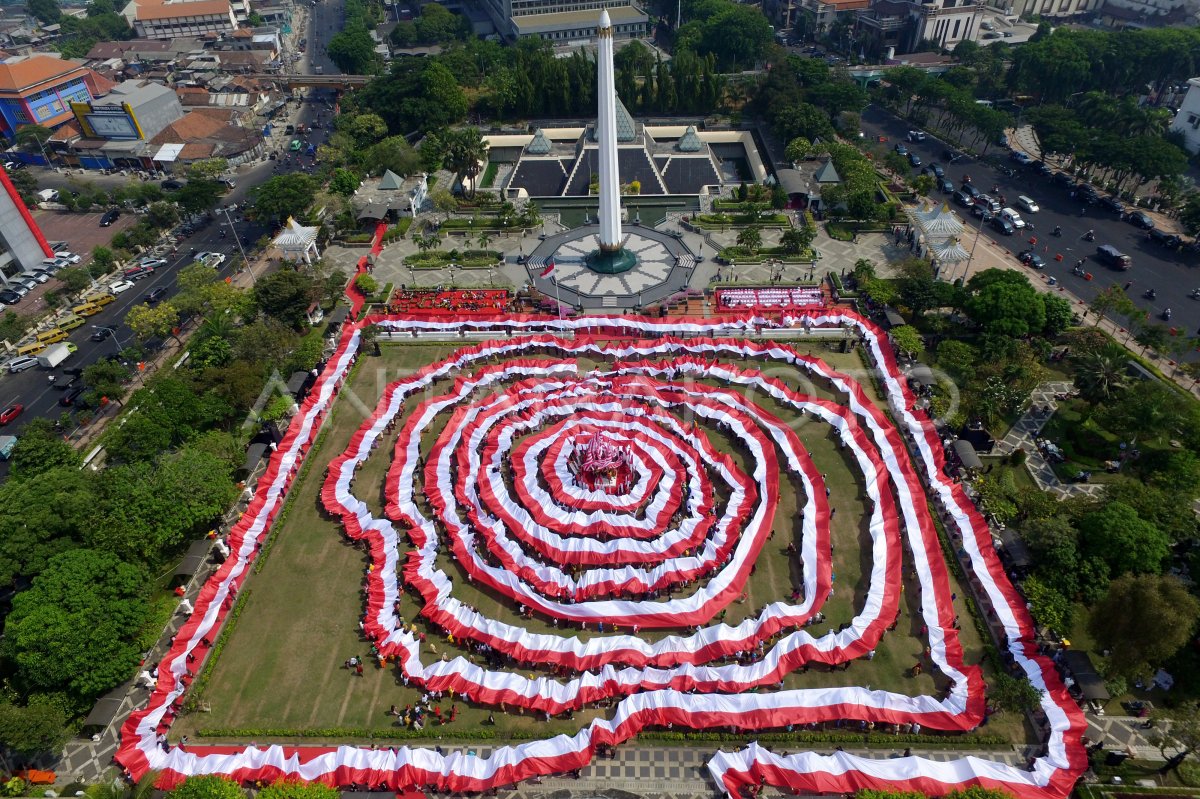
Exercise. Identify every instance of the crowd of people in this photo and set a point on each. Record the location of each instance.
(456, 301)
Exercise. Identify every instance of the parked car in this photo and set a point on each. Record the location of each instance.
(1024, 159)
(1139, 219)
(1112, 204)
(914, 159)
(1169, 240)
(9, 297)
(946, 185)
(37, 276)
(1086, 193)
(20, 364)
(1043, 169)
(1063, 179)
(138, 272)
(901, 149)
(109, 217)
(937, 171)
(69, 256)
(172, 185)
(916, 135)
(121, 286)
(153, 263)
(11, 412)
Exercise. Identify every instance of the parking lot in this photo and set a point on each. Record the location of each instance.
(82, 232)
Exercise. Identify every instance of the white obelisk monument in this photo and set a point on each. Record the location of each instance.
(606, 137)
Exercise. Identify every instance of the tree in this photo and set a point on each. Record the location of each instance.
(369, 338)
(443, 201)
(1101, 375)
(152, 321)
(33, 137)
(797, 149)
(958, 358)
(75, 279)
(344, 182)
(75, 629)
(37, 729)
(209, 786)
(1015, 694)
(463, 154)
(751, 238)
(1059, 315)
(154, 506)
(40, 449)
(1004, 303)
(295, 789)
(907, 340)
(106, 379)
(1126, 542)
(366, 284)
(42, 518)
(394, 153)
(161, 214)
(286, 296)
(1143, 620)
(1048, 606)
(1155, 412)
(46, 11)
(283, 196)
(207, 169)
(199, 195)
(353, 50)
(923, 184)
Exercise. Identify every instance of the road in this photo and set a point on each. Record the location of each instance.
(1171, 273)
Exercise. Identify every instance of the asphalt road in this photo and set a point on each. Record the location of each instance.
(1171, 273)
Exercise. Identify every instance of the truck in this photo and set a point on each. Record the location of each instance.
(7, 443)
(48, 195)
(53, 356)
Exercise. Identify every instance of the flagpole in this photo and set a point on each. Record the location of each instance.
(557, 298)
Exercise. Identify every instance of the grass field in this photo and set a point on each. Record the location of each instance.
(282, 665)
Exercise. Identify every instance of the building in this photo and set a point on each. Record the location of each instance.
(1187, 121)
(22, 245)
(906, 24)
(136, 109)
(816, 17)
(170, 19)
(565, 21)
(1147, 13)
(1053, 9)
(39, 89)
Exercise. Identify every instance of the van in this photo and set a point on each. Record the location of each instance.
(32, 348)
(1111, 256)
(1013, 217)
(87, 309)
(102, 299)
(21, 364)
(1027, 205)
(52, 336)
(70, 322)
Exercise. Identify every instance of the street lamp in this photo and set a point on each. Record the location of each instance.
(238, 240)
(116, 338)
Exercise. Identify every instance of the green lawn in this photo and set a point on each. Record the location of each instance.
(281, 668)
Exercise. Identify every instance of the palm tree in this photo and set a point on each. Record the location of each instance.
(1101, 375)
(751, 238)
(465, 150)
(483, 239)
(369, 336)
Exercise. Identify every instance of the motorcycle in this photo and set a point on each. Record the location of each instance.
(1195, 294)
(1149, 294)
(1079, 270)
(1057, 231)
(1089, 236)
(1166, 315)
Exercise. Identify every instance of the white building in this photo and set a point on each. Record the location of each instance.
(1187, 121)
(565, 21)
(904, 24)
(172, 19)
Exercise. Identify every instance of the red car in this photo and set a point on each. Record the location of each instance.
(10, 413)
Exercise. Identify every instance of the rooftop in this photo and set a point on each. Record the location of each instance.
(171, 9)
(134, 92)
(537, 23)
(25, 72)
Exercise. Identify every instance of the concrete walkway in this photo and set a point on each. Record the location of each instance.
(1024, 433)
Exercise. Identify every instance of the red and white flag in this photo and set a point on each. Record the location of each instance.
(549, 268)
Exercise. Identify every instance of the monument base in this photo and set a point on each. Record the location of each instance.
(610, 263)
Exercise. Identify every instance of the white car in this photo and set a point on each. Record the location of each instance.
(1027, 205)
(153, 263)
(69, 256)
(1013, 218)
(213, 259)
(40, 277)
(120, 286)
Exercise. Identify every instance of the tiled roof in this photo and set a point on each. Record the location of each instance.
(158, 9)
(27, 71)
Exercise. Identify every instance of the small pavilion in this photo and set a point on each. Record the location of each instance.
(298, 242)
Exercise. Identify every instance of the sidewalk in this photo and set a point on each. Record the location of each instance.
(1026, 429)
